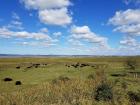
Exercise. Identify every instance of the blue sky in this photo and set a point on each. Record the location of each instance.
(70, 27)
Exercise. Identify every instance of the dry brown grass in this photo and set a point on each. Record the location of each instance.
(71, 92)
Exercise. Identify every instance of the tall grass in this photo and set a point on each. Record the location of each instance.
(66, 92)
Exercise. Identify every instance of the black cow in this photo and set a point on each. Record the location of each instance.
(18, 83)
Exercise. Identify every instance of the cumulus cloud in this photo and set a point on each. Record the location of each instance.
(37, 43)
(80, 30)
(129, 41)
(127, 22)
(45, 4)
(75, 43)
(44, 30)
(4, 32)
(53, 12)
(36, 38)
(15, 23)
(55, 16)
(57, 34)
(24, 43)
(129, 45)
(133, 30)
(84, 33)
(128, 17)
(15, 30)
(15, 16)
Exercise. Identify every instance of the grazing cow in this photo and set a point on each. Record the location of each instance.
(18, 67)
(84, 65)
(18, 83)
(93, 66)
(29, 67)
(7, 79)
(36, 66)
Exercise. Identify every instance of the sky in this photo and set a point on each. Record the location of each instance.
(70, 27)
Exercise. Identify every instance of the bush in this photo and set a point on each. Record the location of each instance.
(103, 92)
(133, 96)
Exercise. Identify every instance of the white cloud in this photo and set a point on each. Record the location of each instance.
(24, 43)
(15, 23)
(45, 4)
(53, 12)
(127, 22)
(55, 16)
(75, 43)
(57, 34)
(128, 41)
(15, 30)
(84, 33)
(15, 16)
(36, 43)
(133, 30)
(80, 30)
(128, 17)
(129, 45)
(44, 30)
(4, 32)
(18, 23)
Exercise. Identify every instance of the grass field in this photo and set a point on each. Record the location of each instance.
(68, 81)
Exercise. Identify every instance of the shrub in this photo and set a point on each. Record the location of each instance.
(103, 92)
(133, 96)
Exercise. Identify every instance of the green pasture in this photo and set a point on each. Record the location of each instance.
(57, 67)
